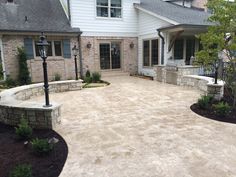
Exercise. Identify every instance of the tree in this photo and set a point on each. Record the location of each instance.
(24, 76)
(221, 38)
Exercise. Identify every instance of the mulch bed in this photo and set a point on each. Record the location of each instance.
(13, 152)
(209, 113)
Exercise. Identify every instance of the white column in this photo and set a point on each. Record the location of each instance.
(2, 57)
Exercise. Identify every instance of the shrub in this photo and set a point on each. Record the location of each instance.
(87, 74)
(222, 109)
(88, 80)
(24, 76)
(96, 77)
(205, 101)
(24, 131)
(9, 82)
(57, 77)
(41, 146)
(21, 171)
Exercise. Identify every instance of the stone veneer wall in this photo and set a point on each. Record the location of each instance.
(188, 76)
(91, 58)
(13, 104)
(56, 65)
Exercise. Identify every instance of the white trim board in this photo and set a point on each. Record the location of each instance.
(2, 56)
(158, 16)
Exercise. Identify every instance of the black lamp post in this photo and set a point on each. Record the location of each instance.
(43, 46)
(75, 53)
(216, 70)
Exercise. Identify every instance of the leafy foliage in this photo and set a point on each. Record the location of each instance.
(21, 171)
(96, 77)
(9, 82)
(221, 39)
(87, 73)
(24, 76)
(24, 131)
(88, 80)
(41, 146)
(205, 101)
(222, 109)
(57, 77)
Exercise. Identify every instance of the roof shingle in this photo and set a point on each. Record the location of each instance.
(179, 14)
(34, 16)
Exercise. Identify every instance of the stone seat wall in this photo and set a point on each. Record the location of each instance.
(14, 104)
(188, 76)
(205, 84)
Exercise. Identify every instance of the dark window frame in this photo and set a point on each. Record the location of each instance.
(51, 49)
(151, 55)
(110, 10)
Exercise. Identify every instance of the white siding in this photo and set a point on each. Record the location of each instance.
(147, 29)
(83, 16)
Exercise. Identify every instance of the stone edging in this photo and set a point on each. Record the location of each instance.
(205, 84)
(13, 104)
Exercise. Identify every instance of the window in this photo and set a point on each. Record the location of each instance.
(146, 53)
(54, 48)
(57, 46)
(150, 52)
(109, 8)
(179, 49)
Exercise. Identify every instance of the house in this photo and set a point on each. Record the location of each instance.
(130, 36)
(122, 34)
(20, 26)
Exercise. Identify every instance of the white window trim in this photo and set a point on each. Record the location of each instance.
(53, 49)
(109, 11)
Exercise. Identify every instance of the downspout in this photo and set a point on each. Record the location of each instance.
(80, 56)
(162, 46)
(69, 15)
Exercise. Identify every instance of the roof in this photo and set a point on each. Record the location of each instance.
(34, 16)
(175, 13)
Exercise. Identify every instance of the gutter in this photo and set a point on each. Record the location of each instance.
(80, 55)
(162, 46)
(60, 33)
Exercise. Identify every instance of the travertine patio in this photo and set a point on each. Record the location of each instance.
(142, 128)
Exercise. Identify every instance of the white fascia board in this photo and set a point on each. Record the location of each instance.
(158, 16)
(109, 34)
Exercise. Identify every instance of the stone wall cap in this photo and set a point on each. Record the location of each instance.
(208, 79)
(8, 97)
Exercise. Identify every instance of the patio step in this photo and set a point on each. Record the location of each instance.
(114, 73)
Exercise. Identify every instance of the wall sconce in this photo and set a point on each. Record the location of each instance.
(89, 45)
(131, 45)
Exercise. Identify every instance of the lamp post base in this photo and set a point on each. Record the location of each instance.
(47, 106)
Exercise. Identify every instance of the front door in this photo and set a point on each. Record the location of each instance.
(110, 55)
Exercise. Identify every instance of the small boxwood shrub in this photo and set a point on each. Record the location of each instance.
(57, 77)
(222, 109)
(21, 171)
(87, 74)
(9, 82)
(24, 131)
(96, 77)
(205, 101)
(88, 80)
(41, 146)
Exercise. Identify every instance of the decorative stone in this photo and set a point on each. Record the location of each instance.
(13, 105)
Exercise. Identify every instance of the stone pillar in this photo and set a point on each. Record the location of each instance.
(215, 90)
